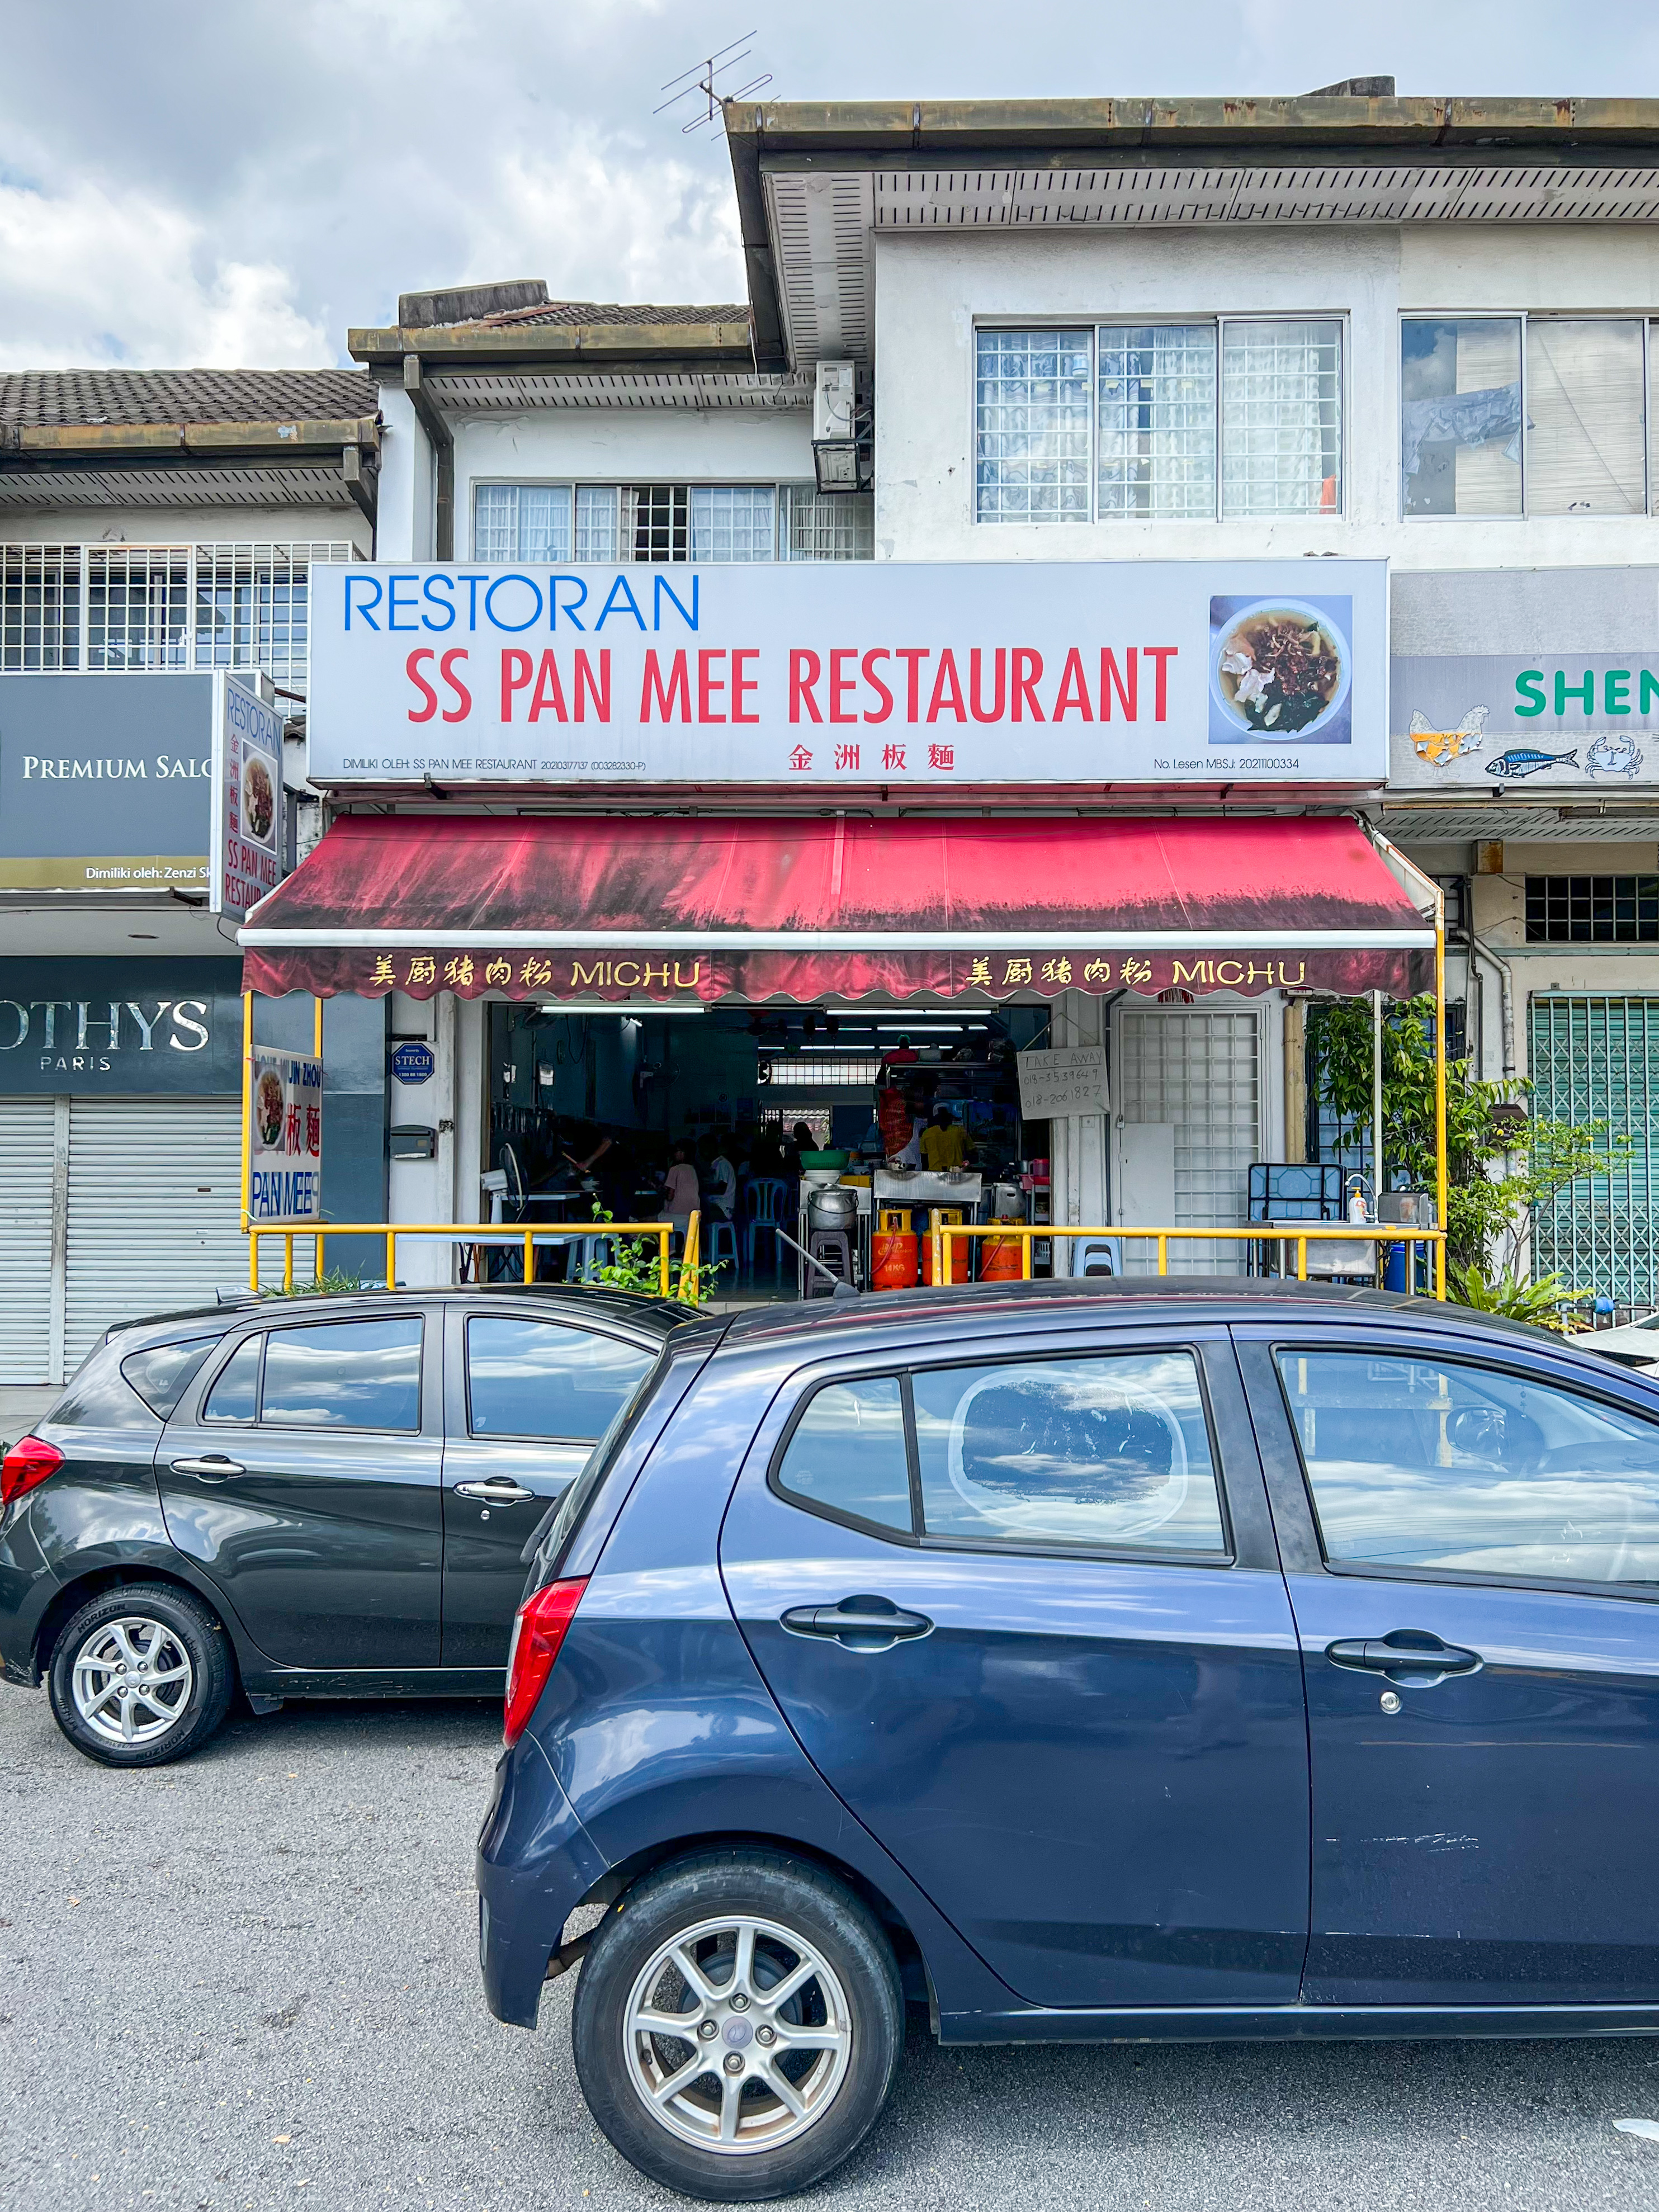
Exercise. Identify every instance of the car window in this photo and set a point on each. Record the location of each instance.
(235, 1396)
(542, 1379)
(1426, 1463)
(162, 1375)
(1110, 1451)
(847, 1454)
(344, 1374)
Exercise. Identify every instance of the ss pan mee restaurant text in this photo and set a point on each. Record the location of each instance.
(833, 904)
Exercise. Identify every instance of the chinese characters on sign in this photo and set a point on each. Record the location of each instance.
(247, 811)
(285, 1138)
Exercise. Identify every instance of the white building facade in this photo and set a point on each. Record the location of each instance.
(1339, 328)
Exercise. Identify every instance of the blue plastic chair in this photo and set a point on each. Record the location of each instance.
(723, 1244)
(766, 1200)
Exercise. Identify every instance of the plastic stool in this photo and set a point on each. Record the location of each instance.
(832, 1249)
(1099, 1256)
(591, 1254)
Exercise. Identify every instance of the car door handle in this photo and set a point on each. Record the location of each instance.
(1405, 1655)
(494, 1489)
(862, 1623)
(212, 1466)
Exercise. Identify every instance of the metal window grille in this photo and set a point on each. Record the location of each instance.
(1202, 1071)
(160, 607)
(522, 522)
(40, 608)
(733, 522)
(841, 526)
(597, 522)
(1155, 389)
(1035, 406)
(1593, 910)
(659, 522)
(1597, 1059)
(1281, 418)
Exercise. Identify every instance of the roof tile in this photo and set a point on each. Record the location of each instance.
(31, 397)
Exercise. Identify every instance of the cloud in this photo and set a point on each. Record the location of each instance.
(90, 280)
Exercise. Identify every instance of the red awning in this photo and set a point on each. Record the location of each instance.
(624, 907)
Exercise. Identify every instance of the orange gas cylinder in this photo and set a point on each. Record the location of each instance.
(958, 1259)
(892, 1261)
(999, 1259)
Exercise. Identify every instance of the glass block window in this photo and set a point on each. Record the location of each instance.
(1034, 405)
(1281, 418)
(1593, 910)
(836, 526)
(1585, 433)
(1156, 391)
(733, 522)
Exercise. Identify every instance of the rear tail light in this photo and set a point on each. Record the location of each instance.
(537, 1635)
(25, 1465)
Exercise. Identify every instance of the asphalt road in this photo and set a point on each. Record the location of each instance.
(249, 1980)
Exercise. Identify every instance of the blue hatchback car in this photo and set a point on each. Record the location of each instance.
(1106, 1660)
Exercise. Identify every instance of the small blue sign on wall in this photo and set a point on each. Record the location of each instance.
(414, 1063)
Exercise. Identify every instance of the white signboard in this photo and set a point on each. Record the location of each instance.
(247, 803)
(1069, 1081)
(844, 673)
(285, 1142)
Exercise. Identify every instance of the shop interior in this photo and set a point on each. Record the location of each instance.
(825, 1141)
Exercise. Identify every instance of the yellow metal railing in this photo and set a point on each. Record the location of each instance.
(1300, 1233)
(479, 1233)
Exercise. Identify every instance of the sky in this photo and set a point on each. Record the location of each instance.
(193, 184)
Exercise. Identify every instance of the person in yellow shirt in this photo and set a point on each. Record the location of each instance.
(944, 1143)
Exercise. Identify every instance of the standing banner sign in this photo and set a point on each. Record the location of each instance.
(1069, 1081)
(285, 1138)
(247, 798)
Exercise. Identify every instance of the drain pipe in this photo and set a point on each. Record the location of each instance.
(1505, 999)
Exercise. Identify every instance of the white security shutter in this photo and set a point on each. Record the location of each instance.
(154, 1209)
(1202, 1072)
(25, 1240)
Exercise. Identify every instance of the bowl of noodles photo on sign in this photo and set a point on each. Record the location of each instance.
(1280, 672)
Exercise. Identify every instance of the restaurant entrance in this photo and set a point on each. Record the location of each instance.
(823, 1122)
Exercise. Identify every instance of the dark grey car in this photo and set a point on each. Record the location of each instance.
(308, 1497)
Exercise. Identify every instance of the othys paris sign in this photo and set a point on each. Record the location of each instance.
(852, 673)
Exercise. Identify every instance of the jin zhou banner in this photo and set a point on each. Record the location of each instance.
(285, 1138)
(850, 673)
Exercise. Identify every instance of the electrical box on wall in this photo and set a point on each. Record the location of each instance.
(409, 1140)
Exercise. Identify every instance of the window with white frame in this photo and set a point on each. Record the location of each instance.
(669, 522)
(150, 608)
(1524, 414)
(1159, 422)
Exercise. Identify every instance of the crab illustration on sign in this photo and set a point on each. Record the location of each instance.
(1614, 754)
(1440, 747)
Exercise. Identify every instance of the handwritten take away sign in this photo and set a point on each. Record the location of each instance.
(1071, 1081)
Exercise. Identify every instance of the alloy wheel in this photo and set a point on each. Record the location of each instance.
(132, 1680)
(737, 2035)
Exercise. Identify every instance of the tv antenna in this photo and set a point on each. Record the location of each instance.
(704, 76)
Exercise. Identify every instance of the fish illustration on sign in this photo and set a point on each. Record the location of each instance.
(1526, 760)
(1614, 754)
(1441, 747)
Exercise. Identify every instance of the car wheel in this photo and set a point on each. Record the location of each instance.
(141, 1675)
(738, 2021)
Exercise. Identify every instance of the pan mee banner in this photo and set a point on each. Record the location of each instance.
(856, 672)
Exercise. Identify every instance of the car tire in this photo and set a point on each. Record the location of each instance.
(745, 1923)
(141, 1675)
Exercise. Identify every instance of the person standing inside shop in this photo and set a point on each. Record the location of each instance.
(943, 1142)
(680, 1190)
